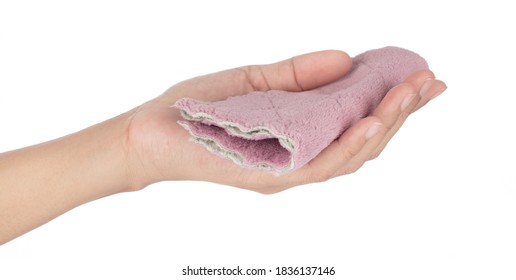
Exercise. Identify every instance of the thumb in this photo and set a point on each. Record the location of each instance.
(298, 73)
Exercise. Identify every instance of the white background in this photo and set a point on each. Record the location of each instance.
(439, 203)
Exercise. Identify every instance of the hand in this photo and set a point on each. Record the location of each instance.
(158, 148)
(146, 145)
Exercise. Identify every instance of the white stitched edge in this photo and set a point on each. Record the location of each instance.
(236, 130)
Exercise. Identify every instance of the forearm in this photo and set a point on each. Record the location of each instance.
(41, 182)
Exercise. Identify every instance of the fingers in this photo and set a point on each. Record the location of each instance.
(396, 101)
(353, 148)
(427, 89)
(342, 150)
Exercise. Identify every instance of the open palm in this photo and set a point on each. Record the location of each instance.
(159, 148)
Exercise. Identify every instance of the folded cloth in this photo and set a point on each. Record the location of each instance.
(281, 131)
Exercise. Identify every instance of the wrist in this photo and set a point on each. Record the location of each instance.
(127, 167)
(134, 154)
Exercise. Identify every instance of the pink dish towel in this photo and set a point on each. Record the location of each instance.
(281, 131)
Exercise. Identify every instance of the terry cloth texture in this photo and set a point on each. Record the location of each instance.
(281, 131)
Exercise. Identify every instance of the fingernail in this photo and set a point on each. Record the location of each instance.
(438, 93)
(426, 86)
(375, 127)
(406, 101)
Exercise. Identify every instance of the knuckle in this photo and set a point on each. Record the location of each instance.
(376, 153)
(349, 150)
(255, 77)
(403, 116)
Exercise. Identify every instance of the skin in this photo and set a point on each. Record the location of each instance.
(146, 145)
